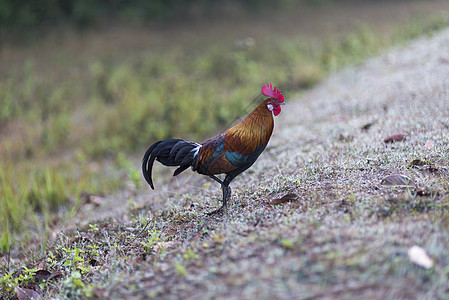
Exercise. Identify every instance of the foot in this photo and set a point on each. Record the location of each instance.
(222, 208)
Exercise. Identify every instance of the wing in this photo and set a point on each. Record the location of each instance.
(211, 158)
(226, 153)
(242, 150)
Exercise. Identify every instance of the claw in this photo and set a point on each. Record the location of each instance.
(226, 195)
(216, 211)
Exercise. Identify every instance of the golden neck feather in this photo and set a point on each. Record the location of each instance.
(257, 127)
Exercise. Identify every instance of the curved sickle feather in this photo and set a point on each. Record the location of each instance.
(147, 164)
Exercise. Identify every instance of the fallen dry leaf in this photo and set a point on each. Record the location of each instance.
(419, 256)
(398, 137)
(429, 144)
(26, 294)
(42, 275)
(55, 275)
(87, 198)
(396, 180)
(444, 60)
(286, 198)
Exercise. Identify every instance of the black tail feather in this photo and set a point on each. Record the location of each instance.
(182, 153)
(171, 152)
(147, 164)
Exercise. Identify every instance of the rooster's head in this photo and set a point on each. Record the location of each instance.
(275, 96)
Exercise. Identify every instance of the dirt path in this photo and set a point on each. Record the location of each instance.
(344, 235)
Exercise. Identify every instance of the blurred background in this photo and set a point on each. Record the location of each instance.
(87, 85)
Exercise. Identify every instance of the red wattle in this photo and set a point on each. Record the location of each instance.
(277, 110)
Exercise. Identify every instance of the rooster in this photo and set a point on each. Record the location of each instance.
(230, 153)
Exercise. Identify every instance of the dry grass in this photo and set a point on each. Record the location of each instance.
(345, 235)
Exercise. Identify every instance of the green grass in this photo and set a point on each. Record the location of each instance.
(62, 119)
(39, 194)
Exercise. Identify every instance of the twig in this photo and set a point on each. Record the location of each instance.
(9, 253)
(138, 235)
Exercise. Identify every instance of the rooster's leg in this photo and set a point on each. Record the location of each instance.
(216, 179)
(226, 193)
(219, 181)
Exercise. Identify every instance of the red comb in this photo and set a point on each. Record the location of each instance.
(270, 91)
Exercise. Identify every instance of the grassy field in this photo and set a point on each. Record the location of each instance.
(73, 116)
